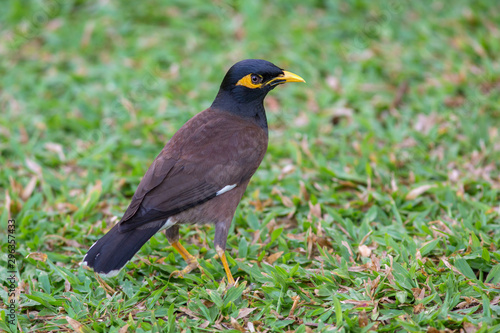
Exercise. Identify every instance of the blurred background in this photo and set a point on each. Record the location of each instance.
(395, 135)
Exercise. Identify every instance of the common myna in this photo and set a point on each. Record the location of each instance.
(201, 173)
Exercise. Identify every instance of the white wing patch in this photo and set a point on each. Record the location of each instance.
(225, 189)
(170, 222)
(112, 273)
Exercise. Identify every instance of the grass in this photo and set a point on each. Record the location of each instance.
(377, 204)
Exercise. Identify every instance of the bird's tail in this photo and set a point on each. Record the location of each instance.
(110, 253)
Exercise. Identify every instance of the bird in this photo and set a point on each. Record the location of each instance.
(200, 175)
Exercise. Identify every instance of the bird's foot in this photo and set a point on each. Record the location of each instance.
(192, 264)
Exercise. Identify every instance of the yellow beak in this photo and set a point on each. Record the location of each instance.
(284, 78)
(290, 77)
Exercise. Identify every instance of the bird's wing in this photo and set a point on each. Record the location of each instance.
(208, 153)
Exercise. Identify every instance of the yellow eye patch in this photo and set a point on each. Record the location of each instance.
(246, 81)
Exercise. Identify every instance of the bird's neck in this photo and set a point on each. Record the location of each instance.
(253, 111)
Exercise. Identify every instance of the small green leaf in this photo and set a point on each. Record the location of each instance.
(463, 266)
(338, 310)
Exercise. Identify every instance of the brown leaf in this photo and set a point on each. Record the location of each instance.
(75, 324)
(8, 202)
(104, 285)
(357, 303)
(365, 251)
(349, 249)
(416, 192)
(205, 324)
(470, 328)
(56, 148)
(33, 166)
(242, 313)
(67, 286)
(333, 82)
(296, 300)
(401, 92)
(303, 191)
(39, 256)
(287, 169)
(322, 242)
(315, 209)
(418, 308)
(361, 268)
(128, 105)
(301, 120)
(425, 122)
(123, 329)
(28, 190)
(450, 266)
(189, 313)
(363, 319)
(236, 326)
(341, 113)
(273, 257)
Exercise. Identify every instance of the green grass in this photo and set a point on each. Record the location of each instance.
(376, 206)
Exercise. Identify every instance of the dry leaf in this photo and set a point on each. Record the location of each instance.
(237, 326)
(189, 313)
(37, 256)
(416, 192)
(363, 319)
(287, 169)
(357, 303)
(8, 202)
(418, 308)
(273, 257)
(315, 210)
(470, 328)
(28, 190)
(425, 122)
(56, 148)
(301, 120)
(245, 312)
(450, 266)
(104, 285)
(333, 82)
(123, 329)
(296, 300)
(74, 324)
(365, 251)
(33, 166)
(349, 249)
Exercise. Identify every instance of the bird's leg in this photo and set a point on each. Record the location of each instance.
(172, 234)
(221, 230)
(222, 255)
(189, 258)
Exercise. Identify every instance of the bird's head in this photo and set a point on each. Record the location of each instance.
(250, 80)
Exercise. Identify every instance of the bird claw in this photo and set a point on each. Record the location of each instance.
(191, 265)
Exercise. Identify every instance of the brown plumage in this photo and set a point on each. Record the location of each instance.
(201, 173)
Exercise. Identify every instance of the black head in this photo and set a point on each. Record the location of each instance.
(249, 81)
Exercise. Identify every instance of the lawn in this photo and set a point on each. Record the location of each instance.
(377, 205)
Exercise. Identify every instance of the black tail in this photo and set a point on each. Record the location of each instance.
(110, 253)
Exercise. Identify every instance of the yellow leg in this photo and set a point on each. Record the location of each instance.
(190, 259)
(222, 256)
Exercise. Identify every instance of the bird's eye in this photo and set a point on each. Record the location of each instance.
(256, 79)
